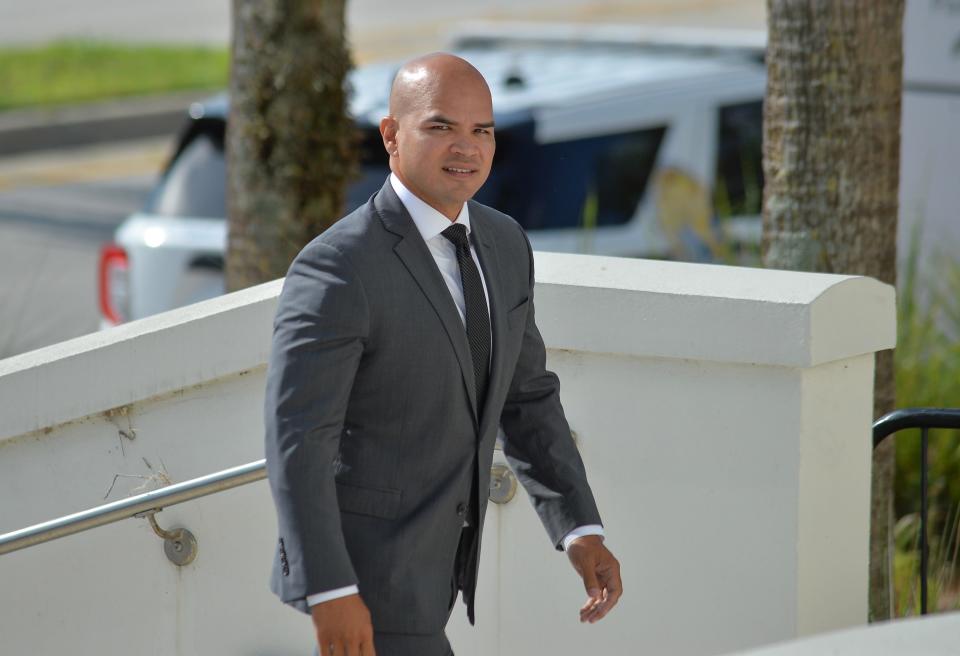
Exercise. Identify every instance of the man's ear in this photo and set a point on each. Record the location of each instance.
(388, 130)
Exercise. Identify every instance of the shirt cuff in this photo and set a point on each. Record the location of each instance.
(580, 531)
(330, 595)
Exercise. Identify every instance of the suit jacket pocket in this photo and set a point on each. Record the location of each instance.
(383, 502)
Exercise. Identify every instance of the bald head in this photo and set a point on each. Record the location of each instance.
(439, 134)
(420, 79)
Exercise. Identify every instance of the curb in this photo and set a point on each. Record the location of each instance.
(23, 131)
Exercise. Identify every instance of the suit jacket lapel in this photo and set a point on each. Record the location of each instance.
(489, 262)
(416, 257)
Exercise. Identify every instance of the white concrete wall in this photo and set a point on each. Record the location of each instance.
(723, 414)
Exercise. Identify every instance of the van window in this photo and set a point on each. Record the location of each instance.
(195, 184)
(584, 182)
(738, 190)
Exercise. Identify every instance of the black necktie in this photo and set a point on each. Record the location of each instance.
(478, 319)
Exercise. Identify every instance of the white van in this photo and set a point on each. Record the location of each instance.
(609, 143)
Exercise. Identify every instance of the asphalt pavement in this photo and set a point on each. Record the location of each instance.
(56, 210)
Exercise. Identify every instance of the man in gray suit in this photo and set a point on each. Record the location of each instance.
(404, 337)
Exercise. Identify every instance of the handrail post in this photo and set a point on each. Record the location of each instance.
(924, 547)
(179, 545)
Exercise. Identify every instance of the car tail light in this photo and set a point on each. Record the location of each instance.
(114, 284)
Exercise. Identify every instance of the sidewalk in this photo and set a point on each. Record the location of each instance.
(85, 164)
(400, 31)
(28, 130)
(376, 28)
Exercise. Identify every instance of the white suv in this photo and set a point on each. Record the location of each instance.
(602, 147)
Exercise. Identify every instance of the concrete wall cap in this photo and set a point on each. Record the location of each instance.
(139, 360)
(584, 303)
(684, 278)
(709, 312)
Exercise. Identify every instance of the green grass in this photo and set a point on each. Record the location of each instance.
(67, 72)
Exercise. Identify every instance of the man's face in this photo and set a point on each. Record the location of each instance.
(441, 146)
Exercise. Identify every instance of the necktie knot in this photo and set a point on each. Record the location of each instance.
(457, 234)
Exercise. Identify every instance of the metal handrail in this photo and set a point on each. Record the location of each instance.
(171, 495)
(138, 505)
(914, 418)
(924, 419)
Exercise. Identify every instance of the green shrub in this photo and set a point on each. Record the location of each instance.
(928, 375)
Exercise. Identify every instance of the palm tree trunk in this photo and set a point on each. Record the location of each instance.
(290, 143)
(831, 164)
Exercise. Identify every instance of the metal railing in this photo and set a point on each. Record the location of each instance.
(177, 543)
(924, 419)
(150, 503)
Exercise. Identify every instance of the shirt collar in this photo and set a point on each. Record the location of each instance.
(429, 221)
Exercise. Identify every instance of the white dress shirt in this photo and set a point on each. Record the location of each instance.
(431, 224)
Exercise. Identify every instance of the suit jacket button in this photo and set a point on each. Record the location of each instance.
(461, 509)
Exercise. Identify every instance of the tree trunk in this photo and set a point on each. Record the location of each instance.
(290, 143)
(831, 161)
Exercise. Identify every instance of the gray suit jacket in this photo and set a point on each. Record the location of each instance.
(373, 437)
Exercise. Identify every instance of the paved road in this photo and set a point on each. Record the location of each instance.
(377, 29)
(170, 21)
(50, 237)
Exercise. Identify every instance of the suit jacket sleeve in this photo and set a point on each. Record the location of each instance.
(538, 443)
(318, 338)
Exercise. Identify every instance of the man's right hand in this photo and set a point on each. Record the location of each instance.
(343, 627)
